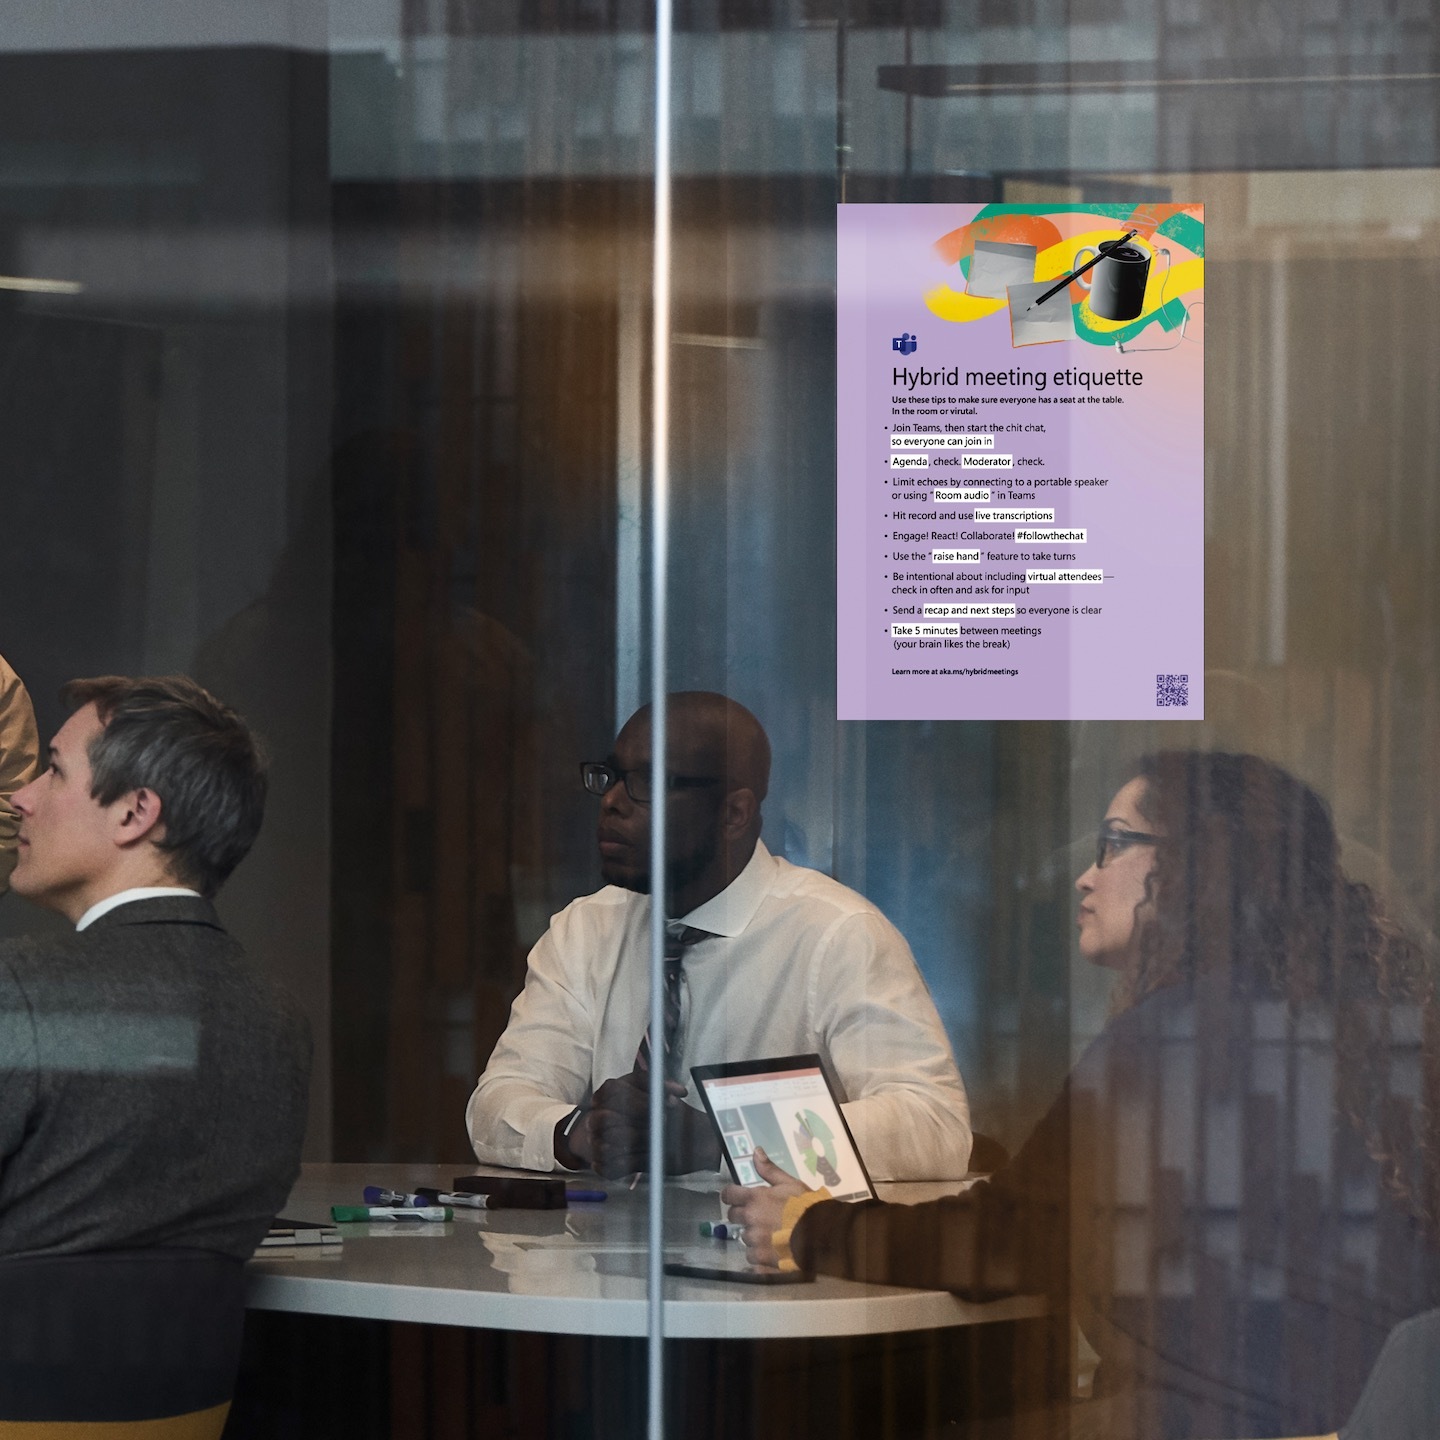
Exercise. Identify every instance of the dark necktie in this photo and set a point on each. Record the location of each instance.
(677, 938)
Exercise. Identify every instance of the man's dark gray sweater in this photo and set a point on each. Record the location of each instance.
(152, 1086)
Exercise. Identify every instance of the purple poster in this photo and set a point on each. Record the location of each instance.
(1021, 484)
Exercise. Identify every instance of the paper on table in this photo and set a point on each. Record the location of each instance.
(306, 1253)
(1054, 320)
(994, 265)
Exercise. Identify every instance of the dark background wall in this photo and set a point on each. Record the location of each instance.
(165, 477)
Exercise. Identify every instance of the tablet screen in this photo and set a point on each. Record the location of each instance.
(786, 1108)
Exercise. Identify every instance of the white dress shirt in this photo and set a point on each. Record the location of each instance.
(124, 897)
(796, 963)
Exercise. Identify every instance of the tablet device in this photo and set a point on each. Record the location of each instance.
(787, 1108)
(748, 1275)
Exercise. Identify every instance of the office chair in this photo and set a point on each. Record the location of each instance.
(123, 1343)
(1401, 1398)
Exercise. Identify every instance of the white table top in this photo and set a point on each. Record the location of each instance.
(579, 1271)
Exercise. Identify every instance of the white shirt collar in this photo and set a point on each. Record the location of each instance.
(143, 892)
(729, 912)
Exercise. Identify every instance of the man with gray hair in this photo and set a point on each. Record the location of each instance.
(19, 752)
(152, 1083)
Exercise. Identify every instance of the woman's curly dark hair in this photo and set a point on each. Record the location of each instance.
(1248, 893)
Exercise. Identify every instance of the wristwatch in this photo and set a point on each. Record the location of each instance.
(564, 1155)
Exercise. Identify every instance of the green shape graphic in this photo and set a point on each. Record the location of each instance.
(1111, 211)
(815, 1141)
(1185, 230)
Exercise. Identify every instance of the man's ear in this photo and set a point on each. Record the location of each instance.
(741, 812)
(137, 817)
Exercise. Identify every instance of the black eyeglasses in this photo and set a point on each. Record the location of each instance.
(598, 776)
(1111, 840)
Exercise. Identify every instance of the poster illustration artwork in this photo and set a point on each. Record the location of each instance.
(1020, 485)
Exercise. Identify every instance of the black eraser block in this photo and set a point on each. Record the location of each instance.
(514, 1192)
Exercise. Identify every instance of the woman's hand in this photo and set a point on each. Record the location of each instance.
(759, 1208)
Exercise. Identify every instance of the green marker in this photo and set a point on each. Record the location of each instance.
(343, 1214)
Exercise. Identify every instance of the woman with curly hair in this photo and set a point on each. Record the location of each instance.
(1236, 1196)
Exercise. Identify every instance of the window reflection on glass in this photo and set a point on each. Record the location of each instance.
(335, 398)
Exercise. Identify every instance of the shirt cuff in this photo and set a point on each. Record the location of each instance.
(795, 1207)
(538, 1152)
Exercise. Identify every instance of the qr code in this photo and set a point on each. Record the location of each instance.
(1172, 689)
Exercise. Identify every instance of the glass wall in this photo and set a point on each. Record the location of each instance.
(165, 199)
(337, 395)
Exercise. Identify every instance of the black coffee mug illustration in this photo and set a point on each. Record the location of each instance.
(1117, 283)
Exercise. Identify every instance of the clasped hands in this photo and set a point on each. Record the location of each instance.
(613, 1136)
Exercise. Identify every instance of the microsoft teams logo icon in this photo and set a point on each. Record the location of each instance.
(906, 344)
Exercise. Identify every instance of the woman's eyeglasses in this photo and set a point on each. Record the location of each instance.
(1111, 840)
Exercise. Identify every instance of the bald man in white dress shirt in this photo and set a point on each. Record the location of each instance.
(776, 960)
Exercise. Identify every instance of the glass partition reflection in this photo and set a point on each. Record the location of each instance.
(1186, 1126)
(327, 345)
